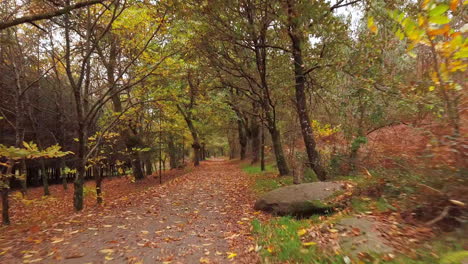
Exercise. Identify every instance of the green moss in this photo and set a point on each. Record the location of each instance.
(309, 175)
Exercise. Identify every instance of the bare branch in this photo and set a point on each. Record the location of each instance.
(59, 12)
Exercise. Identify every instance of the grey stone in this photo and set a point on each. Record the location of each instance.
(369, 238)
(299, 200)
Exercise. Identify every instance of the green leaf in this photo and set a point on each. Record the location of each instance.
(462, 54)
(439, 20)
(438, 10)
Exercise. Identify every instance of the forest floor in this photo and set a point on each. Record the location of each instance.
(202, 217)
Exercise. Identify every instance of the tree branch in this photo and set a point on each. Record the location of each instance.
(59, 12)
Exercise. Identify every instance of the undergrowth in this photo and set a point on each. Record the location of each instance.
(279, 241)
(267, 180)
(376, 191)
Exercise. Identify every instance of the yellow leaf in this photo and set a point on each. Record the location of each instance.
(270, 249)
(456, 202)
(204, 260)
(308, 244)
(108, 257)
(106, 251)
(57, 240)
(231, 255)
(301, 232)
(333, 230)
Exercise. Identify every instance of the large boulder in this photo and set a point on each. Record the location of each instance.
(299, 200)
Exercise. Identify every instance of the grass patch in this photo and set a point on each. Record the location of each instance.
(267, 180)
(284, 240)
(266, 184)
(255, 169)
(279, 241)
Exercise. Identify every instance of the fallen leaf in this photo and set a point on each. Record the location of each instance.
(106, 251)
(308, 244)
(204, 260)
(301, 232)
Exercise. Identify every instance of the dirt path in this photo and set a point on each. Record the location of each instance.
(201, 217)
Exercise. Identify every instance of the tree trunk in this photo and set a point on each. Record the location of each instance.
(301, 104)
(4, 194)
(149, 166)
(262, 150)
(242, 139)
(98, 172)
(63, 174)
(130, 138)
(173, 159)
(78, 186)
(196, 153)
(136, 166)
(5, 205)
(279, 154)
(203, 152)
(45, 180)
(255, 133)
(24, 181)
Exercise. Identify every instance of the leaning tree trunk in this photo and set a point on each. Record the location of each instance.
(301, 104)
(127, 135)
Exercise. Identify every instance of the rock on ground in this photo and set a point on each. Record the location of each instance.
(299, 200)
(362, 235)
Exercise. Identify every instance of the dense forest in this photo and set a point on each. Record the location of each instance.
(107, 103)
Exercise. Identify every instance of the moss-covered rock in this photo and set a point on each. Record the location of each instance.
(299, 200)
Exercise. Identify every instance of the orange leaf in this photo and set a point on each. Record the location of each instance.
(453, 4)
(441, 31)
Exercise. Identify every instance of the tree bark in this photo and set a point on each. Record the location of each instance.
(4, 193)
(279, 154)
(149, 166)
(173, 157)
(262, 150)
(255, 134)
(242, 139)
(44, 176)
(98, 172)
(301, 104)
(5, 206)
